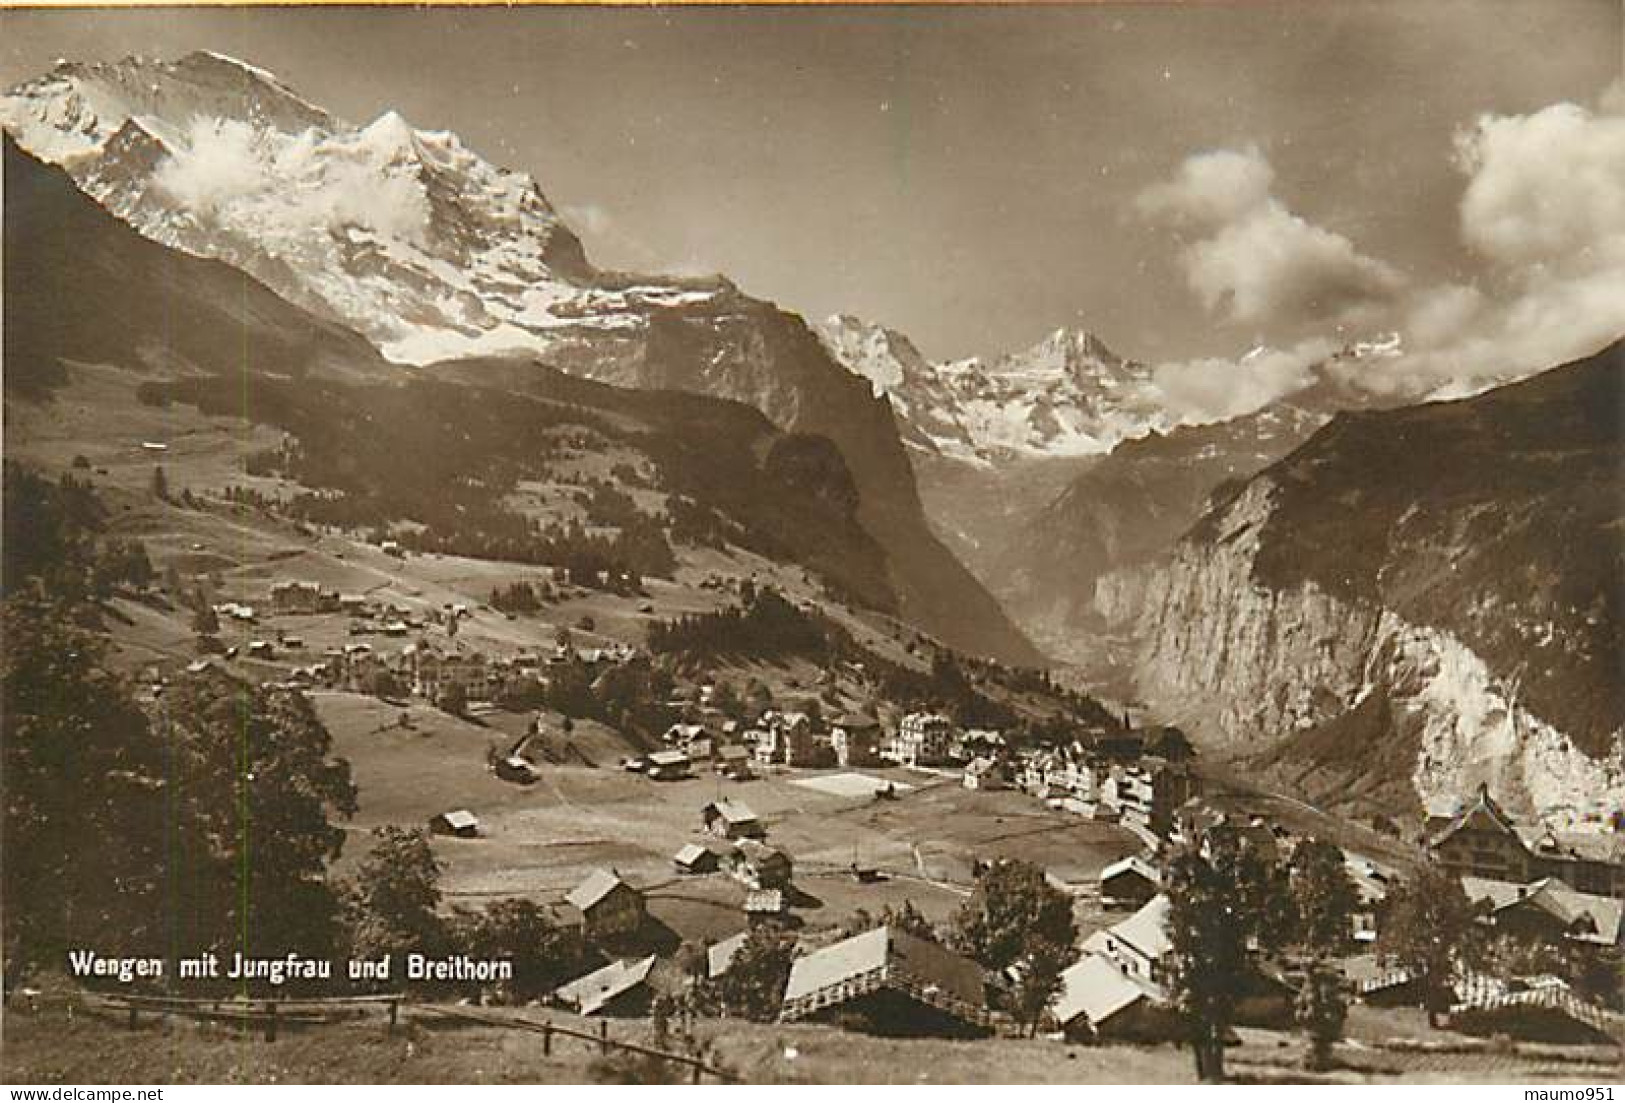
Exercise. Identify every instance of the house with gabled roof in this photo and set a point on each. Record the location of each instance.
(459, 822)
(761, 866)
(1139, 944)
(620, 988)
(695, 858)
(731, 819)
(890, 982)
(609, 907)
(1481, 840)
(1549, 911)
(1129, 882)
(1098, 1001)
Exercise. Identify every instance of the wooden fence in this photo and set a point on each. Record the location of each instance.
(268, 1012)
(548, 1030)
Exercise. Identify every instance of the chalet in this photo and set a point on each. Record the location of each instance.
(720, 957)
(1129, 883)
(609, 906)
(983, 774)
(1550, 912)
(922, 739)
(393, 549)
(294, 597)
(620, 988)
(731, 819)
(1593, 863)
(460, 823)
(761, 866)
(679, 735)
(1139, 948)
(889, 982)
(856, 741)
(1481, 841)
(732, 761)
(1138, 945)
(668, 765)
(694, 858)
(1098, 1001)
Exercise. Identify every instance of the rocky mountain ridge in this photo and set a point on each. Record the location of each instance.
(1459, 565)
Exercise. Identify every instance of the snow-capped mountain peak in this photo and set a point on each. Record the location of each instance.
(404, 234)
(1069, 394)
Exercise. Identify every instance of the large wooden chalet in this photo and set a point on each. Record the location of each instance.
(889, 982)
(1482, 840)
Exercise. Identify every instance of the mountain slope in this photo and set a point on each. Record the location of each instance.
(1448, 577)
(414, 241)
(82, 285)
(449, 450)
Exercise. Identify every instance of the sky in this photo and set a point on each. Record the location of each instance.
(1188, 181)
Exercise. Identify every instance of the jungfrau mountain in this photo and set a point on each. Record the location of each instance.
(411, 239)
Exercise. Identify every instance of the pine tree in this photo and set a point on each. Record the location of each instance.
(1431, 929)
(1219, 902)
(1324, 898)
(1322, 1009)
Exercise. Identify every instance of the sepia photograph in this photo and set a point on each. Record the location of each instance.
(814, 544)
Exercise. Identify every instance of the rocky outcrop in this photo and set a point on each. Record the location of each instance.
(1471, 591)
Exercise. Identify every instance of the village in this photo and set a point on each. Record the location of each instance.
(1116, 802)
(823, 817)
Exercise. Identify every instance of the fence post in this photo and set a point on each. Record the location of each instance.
(133, 1013)
(547, 1039)
(694, 1071)
(270, 1022)
(394, 1014)
(603, 1035)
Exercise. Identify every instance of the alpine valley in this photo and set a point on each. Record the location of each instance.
(1381, 604)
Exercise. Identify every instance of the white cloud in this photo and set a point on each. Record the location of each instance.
(1253, 260)
(1546, 189)
(219, 163)
(1211, 188)
(1216, 388)
(1542, 205)
(272, 183)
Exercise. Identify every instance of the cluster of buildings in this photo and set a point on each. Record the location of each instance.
(1482, 841)
(1138, 778)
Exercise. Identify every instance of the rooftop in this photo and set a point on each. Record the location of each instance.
(592, 992)
(597, 885)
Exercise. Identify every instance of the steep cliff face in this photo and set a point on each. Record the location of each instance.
(1127, 508)
(1432, 593)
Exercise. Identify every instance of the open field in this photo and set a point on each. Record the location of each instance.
(538, 841)
(51, 1046)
